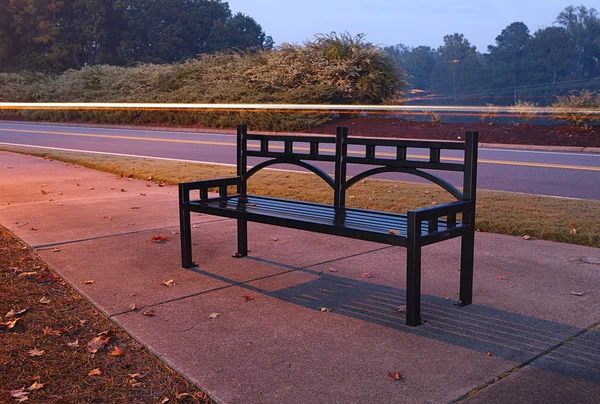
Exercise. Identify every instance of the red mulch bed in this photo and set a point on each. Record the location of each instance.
(543, 135)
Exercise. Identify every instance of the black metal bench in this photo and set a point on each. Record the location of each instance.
(413, 230)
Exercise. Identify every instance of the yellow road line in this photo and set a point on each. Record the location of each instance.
(229, 144)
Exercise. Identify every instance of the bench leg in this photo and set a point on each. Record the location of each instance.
(413, 286)
(185, 230)
(466, 268)
(242, 238)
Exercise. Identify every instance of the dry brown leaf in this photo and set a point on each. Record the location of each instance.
(88, 282)
(214, 315)
(490, 354)
(74, 344)
(182, 396)
(501, 277)
(116, 351)
(35, 352)
(56, 249)
(325, 309)
(577, 293)
(10, 324)
(27, 274)
(137, 375)
(12, 313)
(97, 343)
(165, 400)
(95, 372)
(394, 232)
(149, 313)
(133, 307)
(248, 298)
(401, 309)
(159, 239)
(367, 275)
(332, 270)
(21, 394)
(394, 376)
(136, 207)
(527, 237)
(35, 386)
(168, 283)
(573, 230)
(43, 192)
(45, 300)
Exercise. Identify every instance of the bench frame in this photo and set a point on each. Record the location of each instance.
(423, 226)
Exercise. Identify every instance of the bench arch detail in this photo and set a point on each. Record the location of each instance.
(322, 174)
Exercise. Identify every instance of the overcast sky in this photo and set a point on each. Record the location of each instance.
(389, 22)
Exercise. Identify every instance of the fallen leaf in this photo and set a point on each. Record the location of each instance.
(44, 185)
(248, 298)
(527, 237)
(49, 331)
(136, 207)
(182, 396)
(91, 188)
(35, 386)
(573, 230)
(137, 375)
(500, 277)
(367, 275)
(88, 282)
(12, 313)
(394, 232)
(148, 313)
(35, 352)
(490, 354)
(45, 300)
(10, 324)
(116, 351)
(168, 283)
(97, 343)
(401, 309)
(95, 372)
(577, 293)
(20, 394)
(74, 344)
(43, 192)
(108, 218)
(24, 274)
(214, 315)
(395, 376)
(123, 190)
(159, 239)
(133, 307)
(325, 309)
(34, 229)
(164, 400)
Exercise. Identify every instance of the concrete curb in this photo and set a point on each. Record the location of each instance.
(571, 149)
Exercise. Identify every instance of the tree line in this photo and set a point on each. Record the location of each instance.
(56, 35)
(519, 66)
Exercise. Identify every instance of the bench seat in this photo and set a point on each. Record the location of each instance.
(384, 227)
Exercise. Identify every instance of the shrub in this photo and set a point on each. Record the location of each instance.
(331, 69)
(526, 110)
(575, 108)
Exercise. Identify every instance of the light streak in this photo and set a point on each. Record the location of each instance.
(304, 108)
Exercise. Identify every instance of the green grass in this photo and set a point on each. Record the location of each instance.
(556, 219)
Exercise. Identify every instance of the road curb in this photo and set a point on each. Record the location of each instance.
(572, 149)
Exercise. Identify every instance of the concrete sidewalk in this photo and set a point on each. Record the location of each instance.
(280, 347)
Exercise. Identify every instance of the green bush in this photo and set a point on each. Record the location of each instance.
(331, 69)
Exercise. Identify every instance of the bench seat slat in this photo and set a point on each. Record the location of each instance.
(313, 213)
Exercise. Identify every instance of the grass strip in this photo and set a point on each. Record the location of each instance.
(573, 221)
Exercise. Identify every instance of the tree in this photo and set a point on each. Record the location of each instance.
(507, 57)
(583, 26)
(458, 68)
(551, 56)
(417, 62)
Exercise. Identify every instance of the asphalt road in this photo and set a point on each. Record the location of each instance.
(575, 175)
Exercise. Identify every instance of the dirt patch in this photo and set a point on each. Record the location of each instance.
(48, 333)
(543, 135)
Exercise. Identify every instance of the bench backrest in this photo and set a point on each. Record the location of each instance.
(281, 150)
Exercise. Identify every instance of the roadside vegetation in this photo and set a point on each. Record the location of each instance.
(330, 69)
(564, 220)
(57, 348)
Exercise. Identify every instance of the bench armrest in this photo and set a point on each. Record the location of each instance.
(433, 214)
(204, 185)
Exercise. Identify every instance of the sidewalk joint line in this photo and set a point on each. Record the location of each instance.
(81, 240)
(523, 364)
